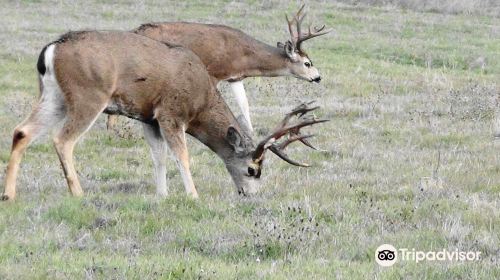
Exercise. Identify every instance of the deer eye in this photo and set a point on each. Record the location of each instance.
(308, 64)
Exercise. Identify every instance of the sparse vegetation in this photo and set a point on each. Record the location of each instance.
(477, 7)
(410, 156)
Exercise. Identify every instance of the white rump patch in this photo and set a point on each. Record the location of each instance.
(51, 109)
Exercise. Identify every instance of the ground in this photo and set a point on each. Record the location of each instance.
(410, 156)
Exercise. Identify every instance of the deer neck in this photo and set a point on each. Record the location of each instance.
(211, 126)
(263, 61)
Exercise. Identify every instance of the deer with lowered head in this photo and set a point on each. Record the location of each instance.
(166, 87)
(231, 55)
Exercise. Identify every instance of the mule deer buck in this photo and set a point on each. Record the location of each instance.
(167, 88)
(231, 55)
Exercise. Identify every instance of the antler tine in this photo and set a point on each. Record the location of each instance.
(299, 111)
(283, 129)
(318, 31)
(297, 36)
(294, 36)
(303, 141)
(284, 157)
(298, 22)
(307, 143)
(300, 10)
(307, 122)
(290, 29)
(296, 137)
(278, 149)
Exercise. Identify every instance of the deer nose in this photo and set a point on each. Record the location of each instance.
(317, 79)
(251, 172)
(254, 172)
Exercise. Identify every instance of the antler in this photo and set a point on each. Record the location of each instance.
(293, 35)
(318, 31)
(297, 37)
(293, 131)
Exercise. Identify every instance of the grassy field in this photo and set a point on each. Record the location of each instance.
(411, 156)
(471, 7)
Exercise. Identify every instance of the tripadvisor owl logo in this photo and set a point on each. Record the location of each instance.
(386, 255)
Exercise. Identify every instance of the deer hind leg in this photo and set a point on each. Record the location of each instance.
(158, 148)
(49, 111)
(241, 98)
(78, 121)
(175, 135)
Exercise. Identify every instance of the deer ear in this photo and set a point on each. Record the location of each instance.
(290, 50)
(234, 139)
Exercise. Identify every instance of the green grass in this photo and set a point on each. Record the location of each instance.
(409, 157)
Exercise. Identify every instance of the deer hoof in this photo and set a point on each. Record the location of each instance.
(4, 197)
(194, 196)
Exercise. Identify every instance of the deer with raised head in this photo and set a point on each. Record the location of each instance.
(166, 87)
(231, 55)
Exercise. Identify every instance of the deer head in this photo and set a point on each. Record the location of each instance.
(299, 62)
(246, 162)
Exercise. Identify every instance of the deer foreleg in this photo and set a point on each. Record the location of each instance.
(175, 135)
(158, 148)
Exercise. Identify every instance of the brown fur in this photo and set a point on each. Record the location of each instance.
(167, 87)
(228, 53)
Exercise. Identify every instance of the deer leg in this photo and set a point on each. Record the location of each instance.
(241, 98)
(175, 136)
(111, 122)
(47, 113)
(23, 136)
(158, 148)
(75, 126)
